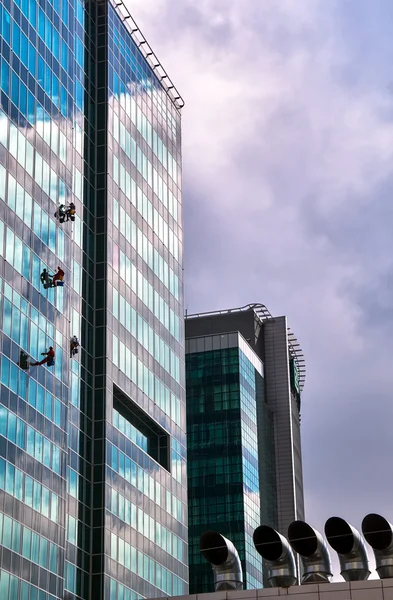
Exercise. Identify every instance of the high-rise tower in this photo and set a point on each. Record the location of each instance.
(93, 488)
(244, 373)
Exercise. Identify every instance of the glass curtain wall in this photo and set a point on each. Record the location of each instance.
(41, 154)
(93, 489)
(140, 481)
(223, 390)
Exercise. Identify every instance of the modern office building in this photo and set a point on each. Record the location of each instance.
(93, 485)
(244, 376)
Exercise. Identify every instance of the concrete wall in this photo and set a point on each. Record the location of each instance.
(357, 590)
(225, 323)
(286, 420)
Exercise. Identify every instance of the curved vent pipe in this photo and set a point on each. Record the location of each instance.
(277, 553)
(313, 551)
(350, 547)
(379, 534)
(224, 559)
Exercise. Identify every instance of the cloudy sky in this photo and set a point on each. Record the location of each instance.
(288, 178)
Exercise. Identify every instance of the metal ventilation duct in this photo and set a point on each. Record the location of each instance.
(276, 551)
(350, 547)
(313, 551)
(225, 561)
(379, 534)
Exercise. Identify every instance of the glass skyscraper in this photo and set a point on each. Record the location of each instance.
(244, 374)
(93, 485)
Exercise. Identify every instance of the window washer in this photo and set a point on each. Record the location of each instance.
(71, 210)
(74, 345)
(49, 358)
(23, 362)
(46, 279)
(58, 277)
(61, 213)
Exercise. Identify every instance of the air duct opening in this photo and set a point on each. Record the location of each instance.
(276, 552)
(268, 543)
(213, 547)
(350, 547)
(224, 559)
(377, 531)
(339, 535)
(302, 538)
(313, 552)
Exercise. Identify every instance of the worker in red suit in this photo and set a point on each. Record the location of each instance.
(49, 358)
(58, 277)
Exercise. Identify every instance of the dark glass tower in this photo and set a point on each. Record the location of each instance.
(244, 374)
(93, 490)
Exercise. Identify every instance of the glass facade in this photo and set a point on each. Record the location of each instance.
(225, 407)
(93, 484)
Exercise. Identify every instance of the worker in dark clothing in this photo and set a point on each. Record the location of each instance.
(23, 360)
(74, 345)
(61, 213)
(58, 277)
(46, 279)
(49, 358)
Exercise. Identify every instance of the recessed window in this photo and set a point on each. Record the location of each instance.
(148, 434)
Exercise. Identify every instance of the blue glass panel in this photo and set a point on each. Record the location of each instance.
(24, 331)
(41, 70)
(56, 466)
(2, 474)
(41, 23)
(43, 553)
(6, 26)
(29, 493)
(20, 433)
(24, 590)
(47, 457)
(15, 88)
(35, 545)
(52, 235)
(11, 432)
(7, 531)
(57, 412)
(32, 392)
(7, 317)
(14, 585)
(15, 333)
(4, 584)
(23, 99)
(30, 440)
(5, 76)
(33, 340)
(30, 97)
(9, 478)
(3, 421)
(44, 228)
(24, 49)
(14, 372)
(26, 262)
(22, 384)
(53, 558)
(33, 13)
(15, 542)
(18, 255)
(48, 405)
(19, 484)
